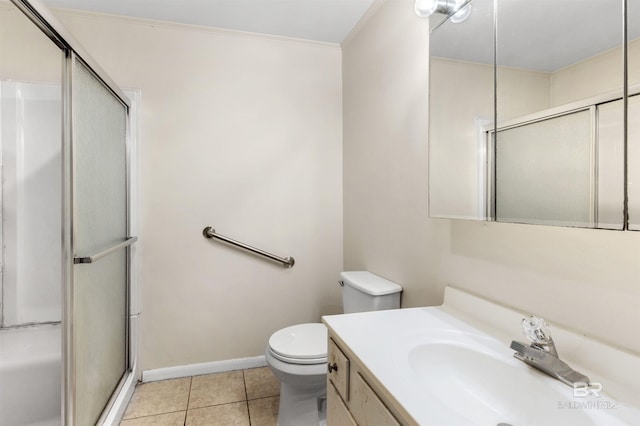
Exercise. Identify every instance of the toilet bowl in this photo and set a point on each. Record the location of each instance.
(297, 354)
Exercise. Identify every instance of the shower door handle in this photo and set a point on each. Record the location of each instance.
(106, 252)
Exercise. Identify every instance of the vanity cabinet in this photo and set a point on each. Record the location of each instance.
(337, 412)
(353, 397)
(338, 370)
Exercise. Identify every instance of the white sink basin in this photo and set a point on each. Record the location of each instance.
(478, 381)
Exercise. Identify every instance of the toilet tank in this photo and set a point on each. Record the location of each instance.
(363, 291)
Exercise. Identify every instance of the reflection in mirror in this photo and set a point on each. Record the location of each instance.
(552, 151)
(461, 109)
(559, 65)
(439, 11)
(633, 114)
(534, 182)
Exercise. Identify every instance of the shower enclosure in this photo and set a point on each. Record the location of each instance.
(66, 228)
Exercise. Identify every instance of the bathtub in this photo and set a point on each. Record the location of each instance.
(30, 374)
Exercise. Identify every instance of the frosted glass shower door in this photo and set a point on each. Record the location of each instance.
(544, 172)
(99, 298)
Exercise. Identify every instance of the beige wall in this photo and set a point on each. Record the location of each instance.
(41, 62)
(242, 133)
(588, 280)
(597, 75)
(385, 80)
(594, 76)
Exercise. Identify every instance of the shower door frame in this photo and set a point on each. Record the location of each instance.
(73, 51)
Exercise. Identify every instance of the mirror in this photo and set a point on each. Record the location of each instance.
(633, 114)
(539, 138)
(461, 110)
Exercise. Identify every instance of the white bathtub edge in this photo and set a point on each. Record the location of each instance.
(202, 368)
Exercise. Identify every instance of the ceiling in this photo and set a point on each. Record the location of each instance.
(319, 20)
(541, 35)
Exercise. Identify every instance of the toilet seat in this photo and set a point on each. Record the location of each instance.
(300, 344)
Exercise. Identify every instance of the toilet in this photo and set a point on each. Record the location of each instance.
(297, 354)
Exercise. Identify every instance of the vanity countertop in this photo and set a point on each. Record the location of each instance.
(443, 366)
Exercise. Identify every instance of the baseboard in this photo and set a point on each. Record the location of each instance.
(203, 368)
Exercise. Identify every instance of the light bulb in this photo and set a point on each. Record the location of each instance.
(425, 8)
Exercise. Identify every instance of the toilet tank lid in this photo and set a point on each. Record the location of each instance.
(369, 283)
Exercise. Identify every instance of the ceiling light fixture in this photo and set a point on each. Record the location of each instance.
(451, 8)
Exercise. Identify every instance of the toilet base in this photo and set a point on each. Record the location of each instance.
(301, 387)
(301, 407)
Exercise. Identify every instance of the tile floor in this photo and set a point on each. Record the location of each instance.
(243, 398)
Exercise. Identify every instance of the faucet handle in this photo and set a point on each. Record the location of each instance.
(537, 330)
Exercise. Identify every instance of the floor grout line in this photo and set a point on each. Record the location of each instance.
(246, 395)
(244, 381)
(153, 415)
(248, 412)
(186, 413)
(263, 397)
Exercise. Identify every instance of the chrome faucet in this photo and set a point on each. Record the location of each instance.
(542, 353)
